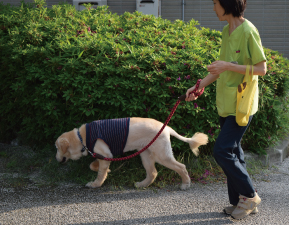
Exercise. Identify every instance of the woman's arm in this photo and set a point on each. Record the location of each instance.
(219, 67)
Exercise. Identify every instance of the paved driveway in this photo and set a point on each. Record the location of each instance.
(201, 204)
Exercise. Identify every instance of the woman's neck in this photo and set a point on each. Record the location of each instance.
(234, 22)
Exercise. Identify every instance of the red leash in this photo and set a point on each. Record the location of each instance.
(181, 98)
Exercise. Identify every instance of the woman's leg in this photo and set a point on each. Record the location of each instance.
(233, 194)
(230, 156)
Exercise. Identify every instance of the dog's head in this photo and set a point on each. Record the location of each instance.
(68, 147)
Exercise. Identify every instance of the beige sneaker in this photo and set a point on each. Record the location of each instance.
(245, 206)
(228, 210)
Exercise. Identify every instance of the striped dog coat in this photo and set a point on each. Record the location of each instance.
(113, 132)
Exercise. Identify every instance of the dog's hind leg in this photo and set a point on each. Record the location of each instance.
(149, 165)
(173, 164)
(101, 176)
(164, 156)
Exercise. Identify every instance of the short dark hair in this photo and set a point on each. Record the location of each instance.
(234, 7)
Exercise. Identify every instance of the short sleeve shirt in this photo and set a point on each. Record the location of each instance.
(243, 46)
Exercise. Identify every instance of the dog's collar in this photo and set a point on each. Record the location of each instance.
(84, 148)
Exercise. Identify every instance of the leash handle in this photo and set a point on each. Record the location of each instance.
(183, 97)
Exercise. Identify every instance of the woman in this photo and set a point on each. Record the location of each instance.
(240, 44)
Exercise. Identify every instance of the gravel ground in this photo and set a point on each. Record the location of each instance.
(201, 204)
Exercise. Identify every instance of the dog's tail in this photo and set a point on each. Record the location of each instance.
(197, 140)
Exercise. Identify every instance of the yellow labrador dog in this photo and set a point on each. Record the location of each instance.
(137, 133)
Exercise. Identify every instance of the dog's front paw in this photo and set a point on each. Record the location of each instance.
(92, 185)
(185, 186)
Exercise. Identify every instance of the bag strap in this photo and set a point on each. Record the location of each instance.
(247, 76)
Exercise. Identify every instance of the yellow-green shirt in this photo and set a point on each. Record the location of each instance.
(244, 46)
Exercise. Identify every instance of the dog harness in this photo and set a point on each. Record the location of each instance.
(113, 132)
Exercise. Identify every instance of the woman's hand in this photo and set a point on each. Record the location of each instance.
(191, 97)
(210, 78)
(218, 67)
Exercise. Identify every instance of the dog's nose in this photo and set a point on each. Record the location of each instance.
(63, 160)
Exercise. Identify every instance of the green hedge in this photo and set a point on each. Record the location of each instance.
(60, 68)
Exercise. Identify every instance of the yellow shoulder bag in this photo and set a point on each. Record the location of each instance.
(245, 95)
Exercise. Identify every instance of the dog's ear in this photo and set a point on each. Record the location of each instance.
(63, 144)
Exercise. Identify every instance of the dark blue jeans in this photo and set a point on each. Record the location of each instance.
(230, 156)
